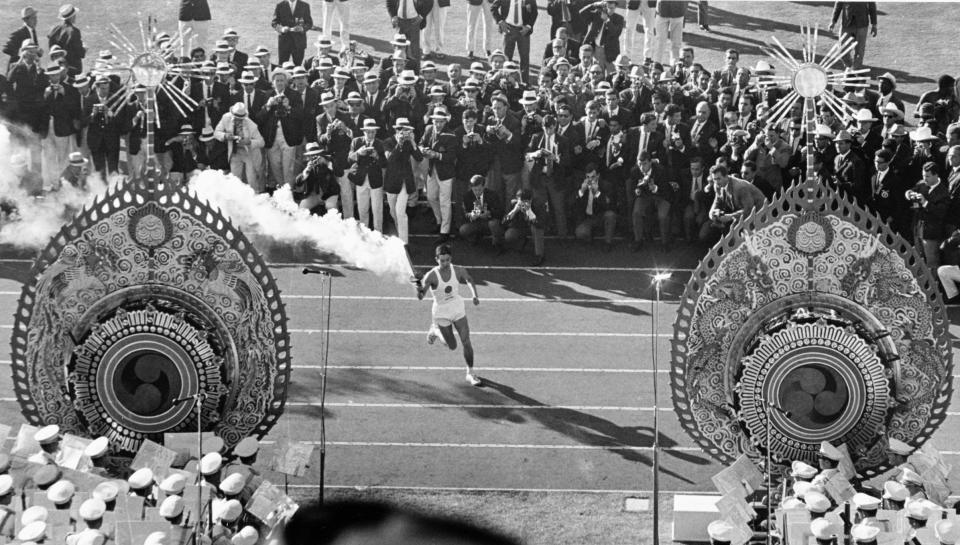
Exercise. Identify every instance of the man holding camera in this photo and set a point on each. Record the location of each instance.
(244, 145)
(549, 157)
(398, 182)
(316, 188)
(367, 158)
(334, 131)
(525, 218)
(483, 211)
(930, 201)
(440, 148)
(291, 20)
(281, 126)
(211, 96)
(104, 128)
(502, 133)
(63, 105)
(733, 199)
(603, 31)
(653, 193)
(596, 207)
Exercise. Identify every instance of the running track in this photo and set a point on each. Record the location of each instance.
(565, 351)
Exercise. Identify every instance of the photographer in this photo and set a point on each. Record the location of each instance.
(104, 128)
(734, 199)
(652, 192)
(603, 31)
(316, 188)
(63, 107)
(183, 150)
(440, 147)
(930, 201)
(473, 152)
(334, 131)
(548, 155)
(596, 207)
(502, 133)
(525, 218)
(280, 122)
(482, 211)
(398, 181)
(367, 158)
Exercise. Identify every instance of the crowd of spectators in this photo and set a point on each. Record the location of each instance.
(595, 144)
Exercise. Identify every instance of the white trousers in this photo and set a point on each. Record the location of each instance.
(340, 11)
(649, 16)
(398, 211)
(246, 166)
(475, 16)
(669, 34)
(949, 278)
(628, 38)
(435, 29)
(367, 196)
(346, 196)
(199, 31)
(439, 193)
(281, 159)
(54, 155)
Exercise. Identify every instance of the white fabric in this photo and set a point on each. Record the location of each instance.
(367, 196)
(448, 304)
(649, 16)
(669, 32)
(949, 278)
(54, 156)
(475, 16)
(398, 210)
(439, 195)
(346, 196)
(281, 159)
(341, 12)
(199, 30)
(435, 29)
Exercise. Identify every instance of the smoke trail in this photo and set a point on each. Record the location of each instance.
(280, 219)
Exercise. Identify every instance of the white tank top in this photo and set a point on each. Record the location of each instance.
(447, 291)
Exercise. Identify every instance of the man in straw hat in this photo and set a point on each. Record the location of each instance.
(316, 188)
(76, 172)
(439, 146)
(26, 32)
(368, 158)
(104, 126)
(399, 182)
(334, 131)
(67, 36)
(281, 125)
(244, 145)
(63, 107)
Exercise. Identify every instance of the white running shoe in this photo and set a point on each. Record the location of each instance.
(474, 379)
(432, 335)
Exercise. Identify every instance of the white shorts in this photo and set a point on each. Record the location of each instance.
(444, 315)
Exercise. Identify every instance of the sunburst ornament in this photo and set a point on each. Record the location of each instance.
(150, 66)
(810, 80)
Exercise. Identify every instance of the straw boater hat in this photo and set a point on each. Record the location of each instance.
(207, 134)
(428, 66)
(327, 98)
(369, 124)
(399, 40)
(371, 77)
(67, 11)
(27, 45)
(312, 150)
(247, 77)
(407, 77)
(261, 51)
(529, 97)
(224, 69)
(341, 73)
(93, 449)
(402, 123)
(511, 67)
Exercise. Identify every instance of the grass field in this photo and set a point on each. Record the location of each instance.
(915, 43)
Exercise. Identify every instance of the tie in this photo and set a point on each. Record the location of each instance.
(603, 30)
(249, 102)
(516, 12)
(696, 128)
(589, 202)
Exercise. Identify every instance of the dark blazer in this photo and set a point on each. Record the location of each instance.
(422, 7)
(474, 157)
(214, 158)
(296, 41)
(68, 37)
(12, 47)
(890, 203)
(292, 122)
(654, 147)
(556, 172)
(854, 14)
(64, 108)
(850, 175)
(259, 100)
(700, 139)
(26, 95)
(596, 154)
(491, 203)
(337, 143)
(578, 24)
(658, 176)
(511, 152)
(501, 8)
(220, 103)
(194, 10)
(367, 165)
(444, 143)
(932, 219)
(399, 173)
(103, 132)
(611, 30)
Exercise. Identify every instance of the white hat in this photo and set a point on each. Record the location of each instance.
(106, 491)
(33, 514)
(862, 533)
(247, 77)
(910, 476)
(246, 536)
(822, 528)
(864, 114)
(829, 451)
(238, 110)
(33, 531)
(816, 502)
(897, 446)
(171, 507)
(140, 479)
(720, 530)
(865, 501)
(888, 76)
(792, 503)
(922, 134)
(891, 108)
(529, 97)
(233, 484)
(802, 470)
(895, 491)
(948, 531)
(90, 536)
(6, 484)
(61, 492)
(173, 484)
(825, 132)
(98, 447)
(918, 509)
(92, 509)
(47, 434)
(802, 488)
(227, 510)
(210, 463)
(156, 538)
(407, 77)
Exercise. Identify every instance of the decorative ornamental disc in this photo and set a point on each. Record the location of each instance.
(146, 298)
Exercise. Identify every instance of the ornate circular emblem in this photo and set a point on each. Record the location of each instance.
(147, 298)
(810, 80)
(813, 305)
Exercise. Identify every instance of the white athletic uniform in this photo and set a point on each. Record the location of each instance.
(447, 303)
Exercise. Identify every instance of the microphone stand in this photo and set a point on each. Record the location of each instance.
(658, 279)
(326, 278)
(198, 399)
(771, 405)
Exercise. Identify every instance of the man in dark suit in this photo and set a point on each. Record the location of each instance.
(291, 20)
(368, 159)
(888, 199)
(236, 58)
(104, 128)
(652, 192)
(603, 31)
(409, 17)
(211, 153)
(930, 200)
(595, 135)
(334, 131)
(549, 158)
(212, 98)
(67, 36)
(373, 99)
(566, 14)
(27, 32)
(285, 109)
(734, 198)
(850, 174)
(854, 18)
(482, 212)
(704, 134)
(399, 183)
(252, 97)
(63, 108)
(440, 147)
(26, 85)
(502, 132)
(516, 19)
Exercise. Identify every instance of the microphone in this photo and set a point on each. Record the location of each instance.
(199, 396)
(311, 270)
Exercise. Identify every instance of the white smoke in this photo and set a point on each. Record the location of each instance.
(282, 220)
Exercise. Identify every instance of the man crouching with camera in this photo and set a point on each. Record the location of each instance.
(525, 218)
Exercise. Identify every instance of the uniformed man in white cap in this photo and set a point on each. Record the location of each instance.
(246, 450)
(865, 534)
(141, 484)
(894, 495)
(91, 512)
(171, 508)
(818, 504)
(802, 471)
(825, 531)
(210, 466)
(867, 507)
(232, 485)
(913, 481)
(947, 531)
(918, 511)
(828, 459)
(61, 494)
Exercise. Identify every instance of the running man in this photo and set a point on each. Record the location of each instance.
(448, 309)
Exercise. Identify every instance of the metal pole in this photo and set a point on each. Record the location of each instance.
(657, 282)
(769, 480)
(196, 530)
